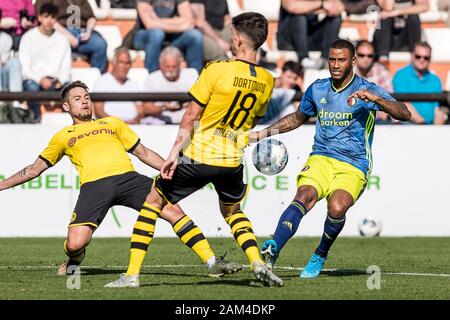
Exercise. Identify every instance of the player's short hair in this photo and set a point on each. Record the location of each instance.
(422, 44)
(294, 67)
(344, 44)
(69, 86)
(48, 9)
(254, 25)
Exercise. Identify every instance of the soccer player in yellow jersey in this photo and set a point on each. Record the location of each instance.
(98, 149)
(228, 98)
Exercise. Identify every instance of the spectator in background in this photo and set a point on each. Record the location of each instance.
(444, 5)
(213, 19)
(301, 30)
(44, 54)
(417, 78)
(370, 69)
(170, 78)
(373, 71)
(10, 71)
(80, 32)
(117, 81)
(400, 26)
(17, 17)
(358, 6)
(162, 21)
(286, 86)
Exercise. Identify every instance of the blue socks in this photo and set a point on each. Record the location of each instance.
(331, 230)
(288, 223)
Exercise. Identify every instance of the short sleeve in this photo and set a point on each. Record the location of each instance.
(202, 89)
(265, 103)
(127, 136)
(377, 90)
(307, 105)
(54, 151)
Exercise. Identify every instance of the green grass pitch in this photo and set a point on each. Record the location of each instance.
(411, 268)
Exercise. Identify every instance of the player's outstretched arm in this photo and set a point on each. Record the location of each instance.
(395, 109)
(193, 112)
(149, 157)
(287, 123)
(26, 174)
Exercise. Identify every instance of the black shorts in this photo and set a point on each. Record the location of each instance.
(189, 177)
(97, 197)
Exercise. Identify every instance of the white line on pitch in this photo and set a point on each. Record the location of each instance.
(344, 271)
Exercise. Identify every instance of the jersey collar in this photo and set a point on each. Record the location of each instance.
(344, 87)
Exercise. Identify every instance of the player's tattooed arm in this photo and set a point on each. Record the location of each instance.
(185, 132)
(395, 109)
(287, 123)
(26, 174)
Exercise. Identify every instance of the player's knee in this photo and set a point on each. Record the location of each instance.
(75, 245)
(307, 196)
(172, 213)
(337, 209)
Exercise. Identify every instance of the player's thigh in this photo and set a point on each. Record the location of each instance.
(186, 179)
(229, 185)
(93, 203)
(132, 190)
(316, 173)
(349, 179)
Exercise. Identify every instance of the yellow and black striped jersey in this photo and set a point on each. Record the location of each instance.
(97, 149)
(233, 93)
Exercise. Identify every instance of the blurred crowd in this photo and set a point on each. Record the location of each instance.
(39, 41)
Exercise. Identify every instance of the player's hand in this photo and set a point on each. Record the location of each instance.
(168, 167)
(365, 95)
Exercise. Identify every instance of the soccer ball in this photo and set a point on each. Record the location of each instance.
(270, 156)
(370, 227)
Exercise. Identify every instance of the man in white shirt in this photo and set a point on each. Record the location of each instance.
(170, 78)
(117, 81)
(45, 56)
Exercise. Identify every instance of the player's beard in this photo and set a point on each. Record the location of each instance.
(84, 116)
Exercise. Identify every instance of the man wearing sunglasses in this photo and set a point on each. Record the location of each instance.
(374, 71)
(370, 69)
(417, 78)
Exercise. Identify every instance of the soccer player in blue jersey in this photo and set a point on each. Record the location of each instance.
(340, 162)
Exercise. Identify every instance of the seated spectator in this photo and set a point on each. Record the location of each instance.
(16, 18)
(444, 5)
(400, 26)
(213, 19)
(370, 69)
(166, 21)
(44, 54)
(10, 71)
(170, 78)
(374, 71)
(358, 6)
(80, 32)
(301, 30)
(417, 78)
(117, 81)
(286, 86)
